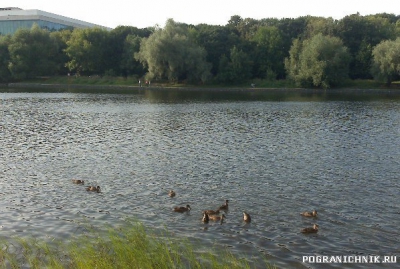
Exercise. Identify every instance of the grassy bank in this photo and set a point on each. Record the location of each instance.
(128, 247)
(259, 83)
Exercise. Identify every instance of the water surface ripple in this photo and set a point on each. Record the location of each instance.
(271, 159)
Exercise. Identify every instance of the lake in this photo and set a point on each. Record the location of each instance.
(273, 154)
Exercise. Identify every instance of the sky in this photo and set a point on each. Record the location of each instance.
(148, 13)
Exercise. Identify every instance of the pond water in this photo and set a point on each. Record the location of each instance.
(272, 154)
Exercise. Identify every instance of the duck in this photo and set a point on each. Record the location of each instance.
(205, 218)
(211, 212)
(182, 209)
(93, 188)
(309, 214)
(224, 206)
(246, 217)
(309, 230)
(78, 181)
(217, 217)
(171, 193)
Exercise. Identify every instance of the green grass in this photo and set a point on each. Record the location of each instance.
(128, 247)
(259, 83)
(364, 84)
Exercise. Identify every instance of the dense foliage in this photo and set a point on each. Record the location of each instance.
(313, 51)
(386, 63)
(171, 54)
(321, 61)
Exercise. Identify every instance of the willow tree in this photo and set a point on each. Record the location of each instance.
(169, 53)
(321, 61)
(386, 61)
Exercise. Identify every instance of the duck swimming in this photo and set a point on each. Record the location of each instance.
(217, 217)
(246, 217)
(78, 181)
(224, 206)
(309, 214)
(182, 209)
(205, 218)
(171, 193)
(309, 230)
(93, 188)
(211, 212)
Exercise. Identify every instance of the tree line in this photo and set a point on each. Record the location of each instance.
(311, 51)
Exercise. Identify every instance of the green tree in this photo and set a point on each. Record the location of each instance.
(241, 65)
(320, 25)
(269, 54)
(128, 64)
(397, 30)
(32, 53)
(61, 38)
(235, 69)
(123, 42)
(321, 61)
(386, 61)
(291, 28)
(292, 63)
(5, 74)
(246, 28)
(87, 50)
(224, 70)
(360, 34)
(217, 41)
(171, 54)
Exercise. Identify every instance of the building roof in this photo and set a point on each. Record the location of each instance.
(15, 13)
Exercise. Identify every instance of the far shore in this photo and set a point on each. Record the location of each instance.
(22, 85)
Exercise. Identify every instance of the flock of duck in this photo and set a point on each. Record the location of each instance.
(210, 214)
(89, 188)
(215, 214)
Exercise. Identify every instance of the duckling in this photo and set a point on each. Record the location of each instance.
(182, 209)
(93, 188)
(246, 217)
(205, 218)
(171, 193)
(217, 217)
(78, 181)
(309, 214)
(308, 230)
(211, 212)
(224, 206)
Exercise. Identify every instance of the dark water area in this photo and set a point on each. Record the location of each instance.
(273, 154)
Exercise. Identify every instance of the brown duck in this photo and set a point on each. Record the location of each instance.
(211, 212)
(182, 209)
(93, 188)
(171, 193)
(78, 181)
(217, 217)
(224, 206)
(246, 217)
(309, 230)
(309, 214)
(205, 218)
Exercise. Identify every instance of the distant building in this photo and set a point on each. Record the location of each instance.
(13, 18)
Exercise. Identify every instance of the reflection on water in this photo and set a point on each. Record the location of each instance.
(272, 155)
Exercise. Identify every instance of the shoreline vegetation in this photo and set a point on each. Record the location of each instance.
(308, 52)
(131, 246)
(97, 82)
